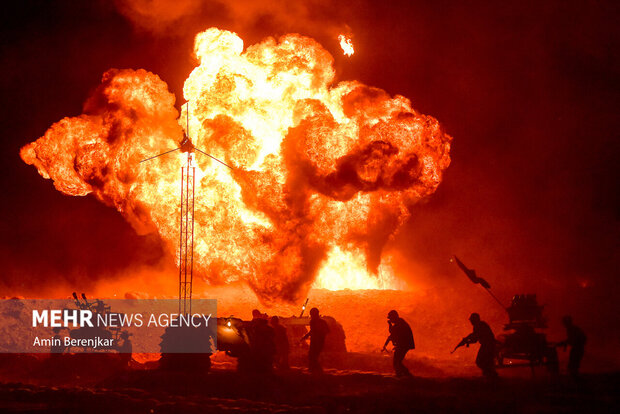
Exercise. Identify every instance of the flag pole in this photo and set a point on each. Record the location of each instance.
(495, 297)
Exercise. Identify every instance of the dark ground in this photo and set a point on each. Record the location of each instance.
(98, 388)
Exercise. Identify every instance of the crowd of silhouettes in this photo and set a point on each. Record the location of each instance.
(269, 343)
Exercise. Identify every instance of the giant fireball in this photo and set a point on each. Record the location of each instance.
(323, 172)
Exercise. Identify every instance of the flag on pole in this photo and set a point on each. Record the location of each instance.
(471, 274)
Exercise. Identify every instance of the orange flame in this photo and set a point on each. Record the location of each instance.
(346, 45)
(323, 173)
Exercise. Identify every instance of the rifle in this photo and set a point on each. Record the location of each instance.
(303, 308)
(464, 341)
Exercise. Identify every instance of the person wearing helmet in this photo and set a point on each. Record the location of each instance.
(402, 339)
(262, 342)
(485, 360)
(57, 347)
(577, 341)
(318, 332)
(125, 349)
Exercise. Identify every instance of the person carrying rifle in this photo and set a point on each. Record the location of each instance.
(318, 332)
(482, 333)
(577, 341)
(125, 349)
(402, 339)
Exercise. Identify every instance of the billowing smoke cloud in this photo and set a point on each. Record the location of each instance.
(159, 16)
(162, 17)
(322, 173)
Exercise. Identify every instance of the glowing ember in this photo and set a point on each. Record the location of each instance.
(346, 45)
(323, 173)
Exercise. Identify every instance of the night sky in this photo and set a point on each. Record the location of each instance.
(530, 92)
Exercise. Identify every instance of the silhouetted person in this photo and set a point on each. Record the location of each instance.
(57, 347)
(318, 332)
(262, 342)
(125, 349)
(485, 360)
(282, 345)
(402, 339)
(576, 339)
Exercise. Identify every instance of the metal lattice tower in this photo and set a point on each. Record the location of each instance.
(186, 236)
(186, 232)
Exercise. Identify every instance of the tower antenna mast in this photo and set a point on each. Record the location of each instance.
(186, 225)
